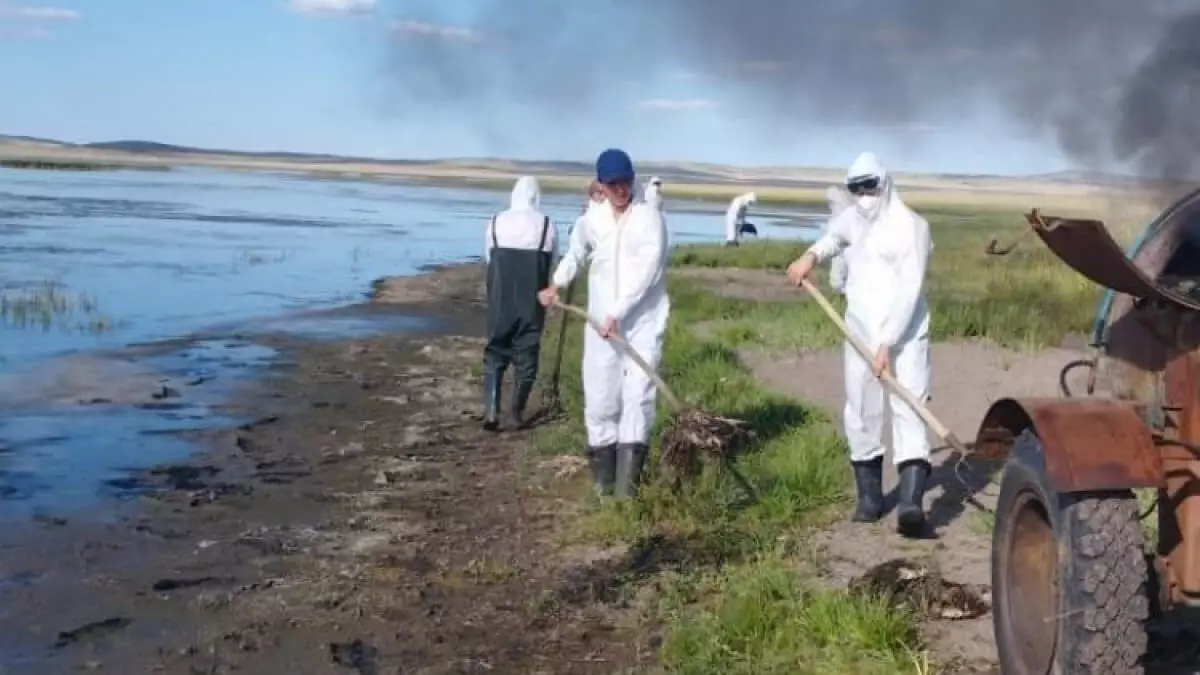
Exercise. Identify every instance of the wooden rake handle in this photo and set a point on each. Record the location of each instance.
(938, 428)
(629, 351)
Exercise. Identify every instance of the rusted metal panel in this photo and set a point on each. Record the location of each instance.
(1089, 444)
(1088, 248)
(1179, 512)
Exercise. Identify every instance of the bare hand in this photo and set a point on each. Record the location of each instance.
(608, 328)
(883, 361)
(799, 270)
(548, 296)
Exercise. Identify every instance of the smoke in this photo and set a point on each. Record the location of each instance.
(1113, 83)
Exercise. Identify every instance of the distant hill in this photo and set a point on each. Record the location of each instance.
(673, 171)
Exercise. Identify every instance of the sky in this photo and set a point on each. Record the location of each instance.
(326, 76)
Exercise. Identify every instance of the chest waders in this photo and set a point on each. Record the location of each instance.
(514, 324)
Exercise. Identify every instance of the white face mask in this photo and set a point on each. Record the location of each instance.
(867, 205)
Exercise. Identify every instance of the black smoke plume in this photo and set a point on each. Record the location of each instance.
(1111, 82)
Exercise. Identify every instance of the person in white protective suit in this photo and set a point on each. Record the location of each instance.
(653, 193)
(839, 200)
(519, 245)
(735, 217)
(627, 243)
(887, 247)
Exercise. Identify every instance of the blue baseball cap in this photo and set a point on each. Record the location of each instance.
(614, 166)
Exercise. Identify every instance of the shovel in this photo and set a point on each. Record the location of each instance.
(932, 422)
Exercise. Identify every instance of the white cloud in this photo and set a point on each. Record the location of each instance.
(333, 6)
(422, 29)
(676, 104)
(31, 13)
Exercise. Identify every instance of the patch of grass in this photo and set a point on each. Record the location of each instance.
(72, 165)
(760, 618)
(1028, 298)
(737, 596)
(50, 305)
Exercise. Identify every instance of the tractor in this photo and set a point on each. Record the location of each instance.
(1074, 585)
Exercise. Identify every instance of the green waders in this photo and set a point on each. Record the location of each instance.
(514, 324)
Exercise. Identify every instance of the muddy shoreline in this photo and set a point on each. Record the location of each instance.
(359, 521)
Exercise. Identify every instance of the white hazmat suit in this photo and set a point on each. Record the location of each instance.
(839, 200)
(653, 193)
(736, 215)
(886, 246)
(626, 280)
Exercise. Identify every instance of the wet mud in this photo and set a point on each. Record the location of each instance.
(350, 516)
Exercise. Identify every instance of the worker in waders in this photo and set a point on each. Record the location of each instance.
(518, 248)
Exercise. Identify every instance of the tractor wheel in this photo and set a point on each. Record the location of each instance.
(1068, 575)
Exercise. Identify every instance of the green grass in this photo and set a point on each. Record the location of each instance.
(737, 593)
(1027, 298)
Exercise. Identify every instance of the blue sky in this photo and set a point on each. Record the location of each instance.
(313, 75)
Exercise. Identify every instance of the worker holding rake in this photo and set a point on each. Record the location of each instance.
(626, 241)
(886, 246)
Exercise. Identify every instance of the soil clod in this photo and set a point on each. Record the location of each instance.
(922, 589)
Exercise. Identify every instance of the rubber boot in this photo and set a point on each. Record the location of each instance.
(868, 480)
(910, 510)
(521, 394)
(492, 379)
(631, 458)
(602, 460)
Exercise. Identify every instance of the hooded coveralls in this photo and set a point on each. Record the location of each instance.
(626, 280)
(735, 216)
(518, 249)
(886, 247)
(654, 192)
(839, 200)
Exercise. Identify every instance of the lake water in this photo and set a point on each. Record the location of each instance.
(94, 262)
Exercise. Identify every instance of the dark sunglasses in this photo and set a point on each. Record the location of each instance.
(858, 186)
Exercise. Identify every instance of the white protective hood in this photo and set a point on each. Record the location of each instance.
(870, 208)
(526, 194)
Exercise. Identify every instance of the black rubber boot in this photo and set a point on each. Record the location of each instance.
(868, 480)
(492, 379)
(910, 510)
(602, 460)
(631, 458)
(520, 399)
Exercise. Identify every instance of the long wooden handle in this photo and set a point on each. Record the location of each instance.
(556, 373)
(938, 428)
(624, 346)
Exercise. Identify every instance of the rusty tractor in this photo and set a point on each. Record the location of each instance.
(1073, 583)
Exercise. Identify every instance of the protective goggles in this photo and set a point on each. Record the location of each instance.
(863, 185)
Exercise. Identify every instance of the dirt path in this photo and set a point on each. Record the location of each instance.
(364, 523)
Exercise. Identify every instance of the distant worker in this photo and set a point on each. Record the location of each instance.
(654, 192)
(627, 243)
(519, 245)
(735, 218)
(839, 200)
(887, 247)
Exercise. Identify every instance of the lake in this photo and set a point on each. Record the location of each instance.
(95, 262)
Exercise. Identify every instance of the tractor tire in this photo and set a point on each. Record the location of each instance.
(1068, 575)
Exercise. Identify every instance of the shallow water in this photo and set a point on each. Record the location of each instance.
(137, 257)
